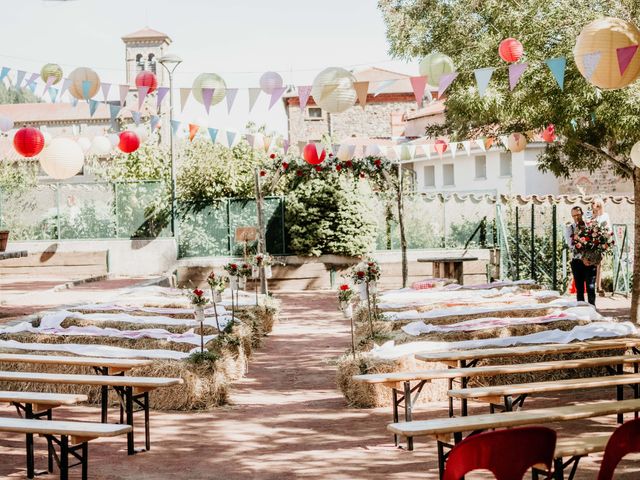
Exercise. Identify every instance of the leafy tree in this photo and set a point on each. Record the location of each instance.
(595, 128)
(14, 95)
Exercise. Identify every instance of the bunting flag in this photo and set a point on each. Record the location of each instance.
(276, 95)
(213, 133)
(93, 105)
(488, 142)
(467, 147)
(453, 147)
(162, 92)
(50, 81)
(590, 62)
(66, 83)
(418, 84)
(231, 137)
(155, 120)
(301, 146)
(446, 80)
(319, 149)
(142, 94)
(250, 139)
(32, 80)
(104, 86)
(254, 93)
(483, 77)
(184, 96)
(74, 102)
(625, 55)
(266, 142)
(335, 147)
(136, 117)
(175, 125)
(285, 145)
(53, 93)
(362, 90)
(557, 66)
(207, 96)
(20, 77)
(114, 110)
(86, 89)
(515, 72)
(383, 86)
(303, 94)
(231, 97)
(193, 129)
(5, 71)
(32, 87)
(480, 143)
(124, 90)
(426, 150)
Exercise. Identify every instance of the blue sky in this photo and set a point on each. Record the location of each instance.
(237, 39)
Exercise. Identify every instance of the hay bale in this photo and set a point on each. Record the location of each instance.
(80, 322)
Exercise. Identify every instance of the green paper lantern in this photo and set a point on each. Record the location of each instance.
(51, 70)
(434, 66)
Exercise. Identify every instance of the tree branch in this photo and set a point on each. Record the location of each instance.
(620, 164)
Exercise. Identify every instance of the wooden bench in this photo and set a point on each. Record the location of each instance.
(403, 393)
(71, 437)
(502, 395)
(130, 390)
(101, 365)
(449, 431)
(573, 449)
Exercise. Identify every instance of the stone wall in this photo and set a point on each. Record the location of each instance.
(601, 182)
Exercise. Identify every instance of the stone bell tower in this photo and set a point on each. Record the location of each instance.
(142, 51)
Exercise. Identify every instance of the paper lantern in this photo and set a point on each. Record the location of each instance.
(270, 82)
(51, 70)
(510, 50)
(85, 144)
(209, 80)
(434, 66)
(440, 146)
(28, 141)
(635, 154)
(6, 123)
(101, 145)
(603, 38)
(310, 154)
(345, 152)
(516, 142)
(129, 141)
(333, 90)
(114, 138)
(62, 159)
(142, 133)
(78, 78)
(147, 79)
(549, 133)
(373, 151)
(47, 138)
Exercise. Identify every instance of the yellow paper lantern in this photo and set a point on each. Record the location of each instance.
(62, 159)
(209, 80)
(603, 38)
(333, 90)
(51, 70)
(517, 142)
(434, 66)
(78, 78)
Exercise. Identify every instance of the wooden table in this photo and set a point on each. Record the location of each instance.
(13, 254)
(448, 267)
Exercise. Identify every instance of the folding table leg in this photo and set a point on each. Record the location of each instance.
(147, 433)
(64, 457)
(408, 414)
(620, 392)
(394, 408)
(129, 412)
(441, 460)
(558, 469)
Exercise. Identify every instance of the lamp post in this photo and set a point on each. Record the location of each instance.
(170, 62)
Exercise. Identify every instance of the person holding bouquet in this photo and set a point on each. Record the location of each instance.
(583, 275)
(602, 217)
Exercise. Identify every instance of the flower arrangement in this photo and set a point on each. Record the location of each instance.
(593, 240)
(345, 294)
(232, 269)
(197, 298)
(216, 282)
(373, 270)
(359, 274)
(366, 272)
(262, 259)
(244, 270)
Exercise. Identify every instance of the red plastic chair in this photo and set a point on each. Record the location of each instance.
(508, 454)
(626, 439)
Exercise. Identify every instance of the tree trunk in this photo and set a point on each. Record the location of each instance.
(403, 238)
(635, 292)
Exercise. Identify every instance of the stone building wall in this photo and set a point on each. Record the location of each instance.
(601, 182)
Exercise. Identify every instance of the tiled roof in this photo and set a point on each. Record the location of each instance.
(146, 33)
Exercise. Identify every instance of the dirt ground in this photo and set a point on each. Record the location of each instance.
(287, 420)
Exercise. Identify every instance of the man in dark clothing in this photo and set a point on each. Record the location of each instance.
(583, 275)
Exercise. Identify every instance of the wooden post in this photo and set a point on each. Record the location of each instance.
(262, 243)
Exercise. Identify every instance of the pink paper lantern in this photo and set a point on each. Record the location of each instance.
(147, 79)
(270, 82)
(310, 154)
(549, 133)
(440, 146)
(510, 50)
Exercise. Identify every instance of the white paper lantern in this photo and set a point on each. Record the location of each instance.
(143, 133)
(270, 82)
(114, 138)
(517, 142)
(209, 80)
(85, 144)
(101, 145)
(62, 159)
(345, 152)
(333, 90)
(635, 154)
(6, 123)
(47, 138)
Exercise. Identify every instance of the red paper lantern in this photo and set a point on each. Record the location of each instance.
(147, 79)
(129, 141)
(549, 133)
(310, 154)
(510, 50)
(440, 146)
(28, 141)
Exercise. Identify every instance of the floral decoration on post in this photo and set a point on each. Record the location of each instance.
(593, 240)
(365, 275)
(260, 260)
(345, 295)
(244, 271)
(198, 300)
(232, 270)
(216, 283)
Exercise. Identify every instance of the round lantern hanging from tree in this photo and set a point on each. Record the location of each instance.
(270, 82)
(434, 66)
(310, 154)
(53, 71)
(549, 133)
(147, 79)
(84, 83)
(209, 80)
(516, 142)
(333, 90)
(28, 141)
(635, 154)
(440, 146)
(510, 50)
(62, 159)
(101, 145)
(129, 141)
(6, 123)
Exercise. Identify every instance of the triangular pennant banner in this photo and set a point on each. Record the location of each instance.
(480, 143)
(467, 147)
(5, 71)
(113, 111)
(184, 96)
(231, 137)
(303, 94)
(74, 102)
(231, 97)
(162, 92)
(175, 125)
(254, 93)
(319, 149)
(266, 142)
(590, 62)
(155, 120)
(483, 77)
(53, 94)
(301, 146)
(93, 105)
(382, 86)
(446, 80)
(66, 83)
(193, 129)
(213, 133)
(335, 147)
(625, 55)
(418, 84)
(136, 117)
(32, 79)
(124, 90)
(50, 81)
(557, 66)
(207, 96)
(276, 95)
(362, 90)
(20, 77)
(86, 89)
(285, 145)
(250, 138)
(142, 94)
(515, 72)
(397, 150)
(32, 87)
(105, 89)
(453, 146)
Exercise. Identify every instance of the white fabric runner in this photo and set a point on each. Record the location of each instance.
(106, 307)
(390, 351)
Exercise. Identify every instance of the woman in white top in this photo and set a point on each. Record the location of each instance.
(600, 216)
